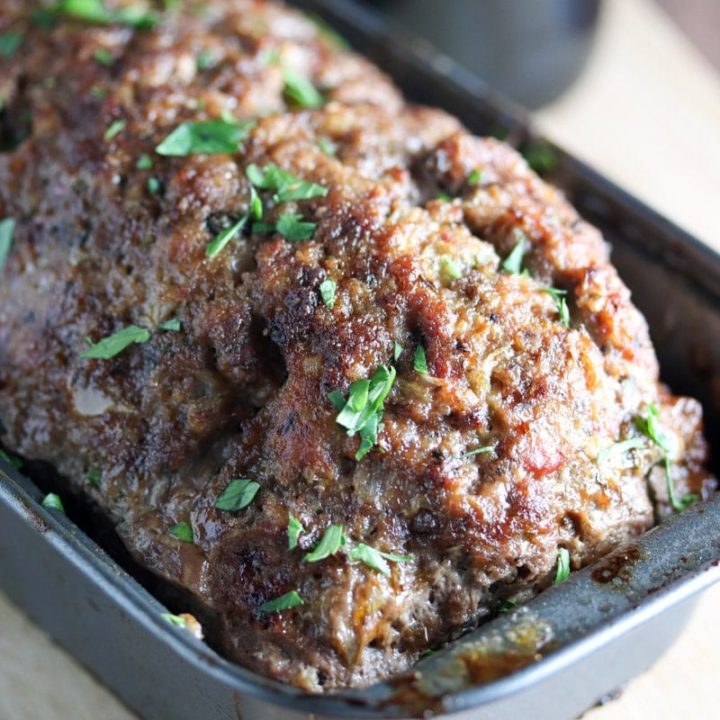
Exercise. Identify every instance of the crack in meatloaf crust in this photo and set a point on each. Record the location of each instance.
(415, 227)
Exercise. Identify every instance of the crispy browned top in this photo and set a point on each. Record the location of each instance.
(242, 390)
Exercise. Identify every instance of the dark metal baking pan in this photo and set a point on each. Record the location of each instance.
(551, 659)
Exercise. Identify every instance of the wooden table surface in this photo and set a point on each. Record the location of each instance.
(646, 112)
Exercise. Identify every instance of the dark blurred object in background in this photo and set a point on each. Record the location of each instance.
(529, 50)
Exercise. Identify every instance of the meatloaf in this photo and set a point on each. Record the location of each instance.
(345, 374)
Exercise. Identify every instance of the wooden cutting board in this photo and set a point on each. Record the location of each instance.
(646, 113)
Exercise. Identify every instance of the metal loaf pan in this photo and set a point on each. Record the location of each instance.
(551, 659)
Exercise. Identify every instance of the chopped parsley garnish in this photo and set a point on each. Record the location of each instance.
(94, 11)
(98, 92)
(175, 620)
(284, 184)
(449, 270)
(144, 162)
(205, 60)
(209, 137)
(116, 127)
(224, 237)
(114, 344)
(327, 146)
(10, 42)
(172, 325)
(53, 502)
(327, 292)
(479, 451)
(363, 410)
(183, 532)
(444, 197)
(619, 448)
(103, 56)
(376, 559)
(397, 351)
(506, 606)
(512, 264)
(154, 186)
(16, 462)
(649, 425)
(256, 207)
(331, 541)
(559, 296)
(284, 602)
(475, 177)
(294, 530)
(563, 566)
(541, 157)
(300, 91)
(420, 361)
(237, 495)
(7, 229)
(94, 477)
(293, 228)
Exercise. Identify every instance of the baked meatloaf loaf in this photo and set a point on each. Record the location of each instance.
(348, 375)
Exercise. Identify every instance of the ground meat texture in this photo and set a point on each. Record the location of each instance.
(241, 390)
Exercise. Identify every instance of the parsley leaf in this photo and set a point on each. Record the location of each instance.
(205, 60)
(209, 137)
(10, 42)
(375, 559)
(294, 530)
(560, 303)
(649, 425)
(619, 448)
(237, 495)
(678, 504)
(144, 162)
(563, 566)
(420, 361)
(449, 270)
(479, 451)
(116, 127)
(114, 344)
(256, 208)
(327, 292)
(300, 91)
(94, 477)
(541, 157)
(172, 325)
(475, 177)
(506, 606)
(327, 146)
(363, 410)
(103, 56)
(183, 532)
(285, 185)
(331, 541)
(94, 11)
(284, 602)
(16, 462)
(174, 620)
(53, 502)
(217, 244)
(512, 264)
(292, 227)
(7, 229)
(154, 186)
(397, 351)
